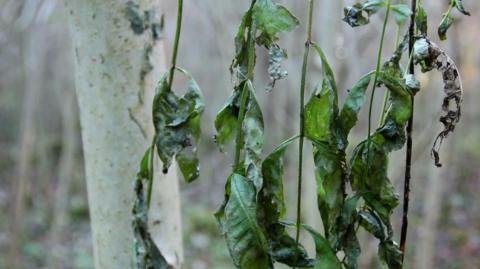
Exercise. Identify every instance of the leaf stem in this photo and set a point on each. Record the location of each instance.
(408, 154)
(176, 41)
(150, 173)
(302, 117)
(375, 80)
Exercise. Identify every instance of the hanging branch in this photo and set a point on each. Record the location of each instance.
(408, 157)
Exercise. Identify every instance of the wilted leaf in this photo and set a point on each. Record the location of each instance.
(325, 258)
(371, 222)
(447, 18)
(177, 126)
(272, 209)
(421, 21)
(430, 57)
(354, 101)
(245, 238)
(359, 14)
(447, 21)
(369, 178)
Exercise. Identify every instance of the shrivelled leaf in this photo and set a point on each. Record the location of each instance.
(177, 126)
(245, 238)
(147, 254)
(351, 248)
(325, 257)
(359, 14)
(283, 248)
(240, 62)
(275, 57)
(271, 19)
(390, 254)
(430, 57)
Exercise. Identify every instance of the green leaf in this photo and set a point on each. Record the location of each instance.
(271, 19)
(147, 254)
(354, 101)
(252, 126)
(359, 14)
(325, 258)
(245, 238)
(401, 12)
(177, 126)
(283, 248)
(447, 21)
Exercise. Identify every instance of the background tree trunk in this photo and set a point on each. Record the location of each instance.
(110, 59)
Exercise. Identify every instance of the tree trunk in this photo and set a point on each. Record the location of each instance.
(115, 87)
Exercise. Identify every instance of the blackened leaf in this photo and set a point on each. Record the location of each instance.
(351, 248)
(275, 57)
(401, 12)
(245, 239)
(430, 57)
(177, 126)
(354, 101)
(147, 254)
(359, 14)
(226, 120)
(283, 248)
(240, 62)
(325, 257)
(271, 19)
(447, 21)
(390, 253)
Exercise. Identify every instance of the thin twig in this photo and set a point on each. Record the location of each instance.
(408, 157)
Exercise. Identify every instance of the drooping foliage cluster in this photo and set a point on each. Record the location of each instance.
(352, 191)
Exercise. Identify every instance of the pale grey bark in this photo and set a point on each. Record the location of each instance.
(109, 60)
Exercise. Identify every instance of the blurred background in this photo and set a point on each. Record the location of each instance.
(43, 202)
